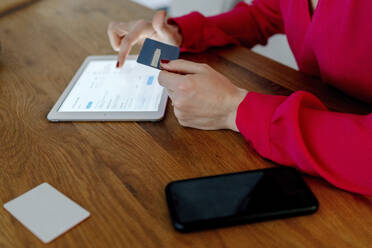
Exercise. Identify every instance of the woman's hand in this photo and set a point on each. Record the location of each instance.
(202, 98)
(125, 35)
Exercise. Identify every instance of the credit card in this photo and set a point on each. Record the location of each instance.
(153, 51)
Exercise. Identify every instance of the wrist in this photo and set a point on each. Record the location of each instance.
(177, 34)
(235, 101)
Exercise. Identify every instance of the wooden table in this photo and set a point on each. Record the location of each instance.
(7, 6)
(118, 171)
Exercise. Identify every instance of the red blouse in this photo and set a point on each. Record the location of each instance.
(298, 130)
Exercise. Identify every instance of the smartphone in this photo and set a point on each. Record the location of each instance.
(238, 198)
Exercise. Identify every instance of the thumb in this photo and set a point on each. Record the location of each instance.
(182, 66)
(159, 22)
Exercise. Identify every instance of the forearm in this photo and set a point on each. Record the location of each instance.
(245, 24)
(299, 131)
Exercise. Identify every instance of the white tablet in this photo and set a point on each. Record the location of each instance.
(101, 92)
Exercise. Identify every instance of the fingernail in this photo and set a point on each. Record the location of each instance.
(164, 61)
(117, 64)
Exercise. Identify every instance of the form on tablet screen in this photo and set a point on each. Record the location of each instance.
(103, 87)
(101, 92)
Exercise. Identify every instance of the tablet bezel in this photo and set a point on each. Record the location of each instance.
(55, 116)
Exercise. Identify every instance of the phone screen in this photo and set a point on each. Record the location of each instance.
(215, 201)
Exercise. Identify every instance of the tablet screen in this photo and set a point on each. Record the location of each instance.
(104, 88)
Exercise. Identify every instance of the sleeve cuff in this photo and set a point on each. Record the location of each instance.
(191, 27)
(253, 119)
(199, 34)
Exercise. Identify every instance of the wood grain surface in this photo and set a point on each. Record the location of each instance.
(118, 171)
(7, 6)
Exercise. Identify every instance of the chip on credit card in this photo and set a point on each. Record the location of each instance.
(153, 51)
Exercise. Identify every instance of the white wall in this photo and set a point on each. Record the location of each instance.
(154, 4)
(278, 49)
(207, 7)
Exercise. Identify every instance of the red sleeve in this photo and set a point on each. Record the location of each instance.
(245, 24)
(299, 131)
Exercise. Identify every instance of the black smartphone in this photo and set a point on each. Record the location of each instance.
(238, 198)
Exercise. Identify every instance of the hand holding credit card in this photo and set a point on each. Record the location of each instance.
(153, 52)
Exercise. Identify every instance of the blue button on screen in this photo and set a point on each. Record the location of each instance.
(89, 105)
(150, 80)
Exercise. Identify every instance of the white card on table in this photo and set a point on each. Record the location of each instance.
(46, 212)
